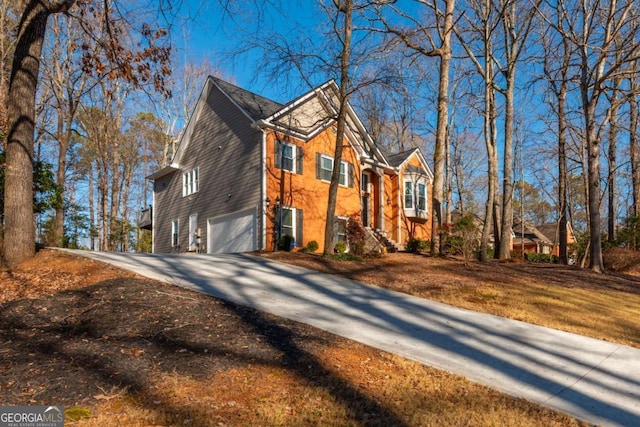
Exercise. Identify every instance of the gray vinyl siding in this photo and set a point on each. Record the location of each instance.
(227, 152)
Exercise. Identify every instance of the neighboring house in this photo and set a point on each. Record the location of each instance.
(541, 239)
(248, 170)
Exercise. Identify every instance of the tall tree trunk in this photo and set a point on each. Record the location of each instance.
(64, 137)
(593, 174)
(67, 90)
(449, 176)
(612, 157)
(345, 8)
(633, 148)
(20, 228)
(492, 204)
(507, 179)
(611, 176)
(562, 173)
(92, 213)
(440, 149)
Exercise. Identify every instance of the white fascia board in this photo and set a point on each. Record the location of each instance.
(263, 124)
(162, 172)
(362, 131)
(422, 160)
(376, 163)
(296, 102)
(270, 122)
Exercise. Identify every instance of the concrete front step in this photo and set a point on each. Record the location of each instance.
(390, 244)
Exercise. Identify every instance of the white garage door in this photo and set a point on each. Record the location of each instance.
(231, 233)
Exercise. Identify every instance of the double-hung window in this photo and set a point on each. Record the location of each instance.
(291, 224)
(288, 157)
(408, 194)
(326, 167)
(422, 196)
(288, 222)
(343, 173)
(340, 229)
(415, 195)
(190, 182)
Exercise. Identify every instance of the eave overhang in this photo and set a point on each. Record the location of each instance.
(162, 172)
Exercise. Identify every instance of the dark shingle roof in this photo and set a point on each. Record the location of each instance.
(530, 231)
(397, 159)
(256, 106)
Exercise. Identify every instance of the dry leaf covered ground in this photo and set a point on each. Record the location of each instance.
(118, 349)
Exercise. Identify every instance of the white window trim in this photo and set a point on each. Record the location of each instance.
(294, 154)
(424, 197)
(293, 221)
(344, 174)
(415, 194)
(323, 157)
(193, 231)
(175, 231)
(344, 219)
(411, 193)
(190, 182)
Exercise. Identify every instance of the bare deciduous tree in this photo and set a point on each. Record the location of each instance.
(114, 60)
(432, 40)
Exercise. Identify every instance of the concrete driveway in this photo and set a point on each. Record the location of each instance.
(593, 380)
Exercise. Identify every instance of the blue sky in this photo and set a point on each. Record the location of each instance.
(203, 30)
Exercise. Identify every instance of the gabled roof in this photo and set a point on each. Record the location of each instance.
(317, 110)
(398, 160)
(255, 106)
(530, 232)
(302, 118)
(549, 231)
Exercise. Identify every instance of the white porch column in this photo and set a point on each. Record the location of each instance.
(382, 201)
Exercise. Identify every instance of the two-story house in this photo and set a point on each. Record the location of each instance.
(249, 170)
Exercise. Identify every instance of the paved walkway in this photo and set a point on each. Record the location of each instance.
(593, 380)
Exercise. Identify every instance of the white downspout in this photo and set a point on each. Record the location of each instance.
(263, 191)
(153, 219)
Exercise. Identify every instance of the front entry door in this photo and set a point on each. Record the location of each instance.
(366, 199)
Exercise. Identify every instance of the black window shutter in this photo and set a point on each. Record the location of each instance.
(299, 223)
(299, 158)
(350, 177)
(278, 154)
(318, 166)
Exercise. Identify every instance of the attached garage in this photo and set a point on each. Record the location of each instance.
(236, 232)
